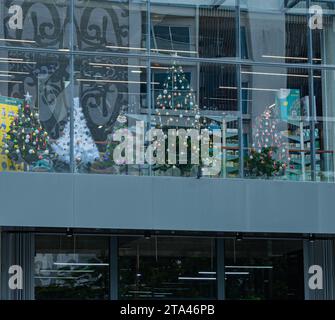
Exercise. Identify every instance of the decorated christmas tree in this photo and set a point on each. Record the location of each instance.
(85, 149)
(269, 154)
(176, 108)
(177, 100)
(26, 140)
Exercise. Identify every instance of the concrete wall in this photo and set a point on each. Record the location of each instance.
(165, 203)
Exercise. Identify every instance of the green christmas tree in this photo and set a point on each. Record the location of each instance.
(175, 104)
(269, 153)
(26, 140)
(176, 108)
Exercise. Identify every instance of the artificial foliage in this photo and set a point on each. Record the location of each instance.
(267, 135)
(27, 141)
(269, 155)
(85, 149)
(176, 95)
(176, 108)
(262, 164)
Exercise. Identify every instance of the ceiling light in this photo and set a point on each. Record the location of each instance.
(249, 267)
(11, 81)
(17, 61)
(126, 48)
(289, 58)
(195, 278)
(18, 40)
(11, 59)
(114, 81)
(251, 89)
(13, 72)
(79, 264)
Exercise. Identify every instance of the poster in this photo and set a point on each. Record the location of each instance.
(8, 110)
(288, 103)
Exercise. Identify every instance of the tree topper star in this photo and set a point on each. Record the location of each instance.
(28, 97)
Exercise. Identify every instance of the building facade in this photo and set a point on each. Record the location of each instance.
(155, 149)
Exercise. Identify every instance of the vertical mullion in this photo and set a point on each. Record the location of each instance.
(311, 93)
(149, 91)
(113, 269)
(220, 270)
(239, 86)
(238, 29)
(72, 13)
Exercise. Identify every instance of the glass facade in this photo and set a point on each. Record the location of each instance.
(111, 87)
(167, 267)
(74, 267)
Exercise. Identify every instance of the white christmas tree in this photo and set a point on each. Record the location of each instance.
(85, 149)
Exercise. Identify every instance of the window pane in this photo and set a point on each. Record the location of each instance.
(324, 131)
(112, 102)
(35, 23)
(111, 25)
(34, 106)
(71, 268)
(264, 269)
(287, 20)
(167, 268)
(323, 32)
(191, 96)
(277, 119)
(193, 28)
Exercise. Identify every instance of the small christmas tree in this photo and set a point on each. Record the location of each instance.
(85, 149)
(269, 154)
(26, 140)
(266, 135)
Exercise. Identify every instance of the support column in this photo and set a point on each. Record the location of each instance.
(320, 253)
(220, 272)
(114, 268)
(17, 249)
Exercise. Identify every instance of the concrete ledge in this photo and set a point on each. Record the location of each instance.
(165, 203)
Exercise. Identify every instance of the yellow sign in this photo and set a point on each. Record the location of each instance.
(8, 110)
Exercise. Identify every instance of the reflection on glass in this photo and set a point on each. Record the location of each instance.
(193, 28)
(34, 106)
(111, 100)
(35, 23)
(71, 268)
(264, 269)
(277, 139)
(323, 31)
(324, 125)
(167, 268)
(111, 25)
(261, 20)
(188, 102)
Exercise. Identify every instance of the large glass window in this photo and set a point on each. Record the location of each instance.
(323, 31)
(111, 25)
(276, 131)
(188, 97)
(287, 20)
(74, 267)
(34, 111)
(93, 113)
(112, 108)
(264, 269)
(193, 28)
(35, 23)
(167, 268)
